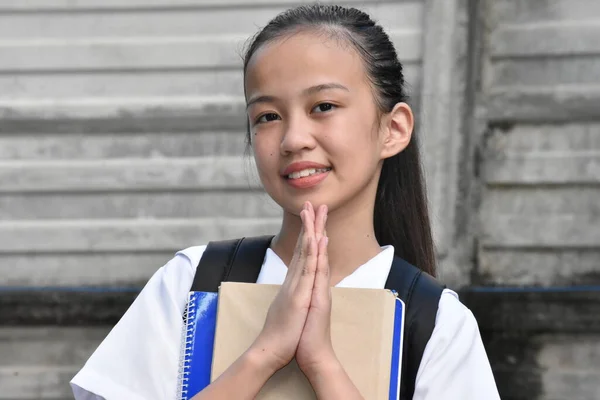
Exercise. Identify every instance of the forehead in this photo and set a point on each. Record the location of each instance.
(295, 62)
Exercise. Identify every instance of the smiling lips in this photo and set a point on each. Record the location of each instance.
(305, 174)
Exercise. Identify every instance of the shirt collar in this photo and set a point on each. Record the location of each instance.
(371, 275)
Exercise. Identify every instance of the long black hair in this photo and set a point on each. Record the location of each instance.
(401, 216)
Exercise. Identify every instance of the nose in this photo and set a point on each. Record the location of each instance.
(297, 136)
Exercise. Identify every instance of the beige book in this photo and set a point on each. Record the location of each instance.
(366, 331)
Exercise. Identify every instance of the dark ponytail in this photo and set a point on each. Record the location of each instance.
(401, 217)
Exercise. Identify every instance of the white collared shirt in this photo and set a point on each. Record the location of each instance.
(139, 359)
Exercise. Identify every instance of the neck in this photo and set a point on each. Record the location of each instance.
(351, 235)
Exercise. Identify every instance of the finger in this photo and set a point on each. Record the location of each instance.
(307, 264)
(301, 246)
(298, 263)
(321, 292)
(306, 279)
(299, 243)
(309, 261)
(310, 223)
(320, 220)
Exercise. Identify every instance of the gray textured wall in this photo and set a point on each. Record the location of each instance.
(122, 132)
(538, 107)
(541, 150)
(121, 135)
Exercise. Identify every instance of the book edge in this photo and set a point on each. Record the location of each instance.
(184, 356)
(396, 368)
(212, 362)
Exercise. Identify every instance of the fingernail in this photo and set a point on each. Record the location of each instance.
(326, 240)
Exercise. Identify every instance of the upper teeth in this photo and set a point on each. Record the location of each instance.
(307, 172)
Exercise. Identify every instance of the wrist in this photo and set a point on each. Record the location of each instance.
(327, 367)
(330, 380)
(262, 360)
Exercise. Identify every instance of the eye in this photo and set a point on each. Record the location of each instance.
(323, 107)
(268, 117)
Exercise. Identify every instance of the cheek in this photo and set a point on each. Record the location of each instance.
(354, 142)
(265, 155)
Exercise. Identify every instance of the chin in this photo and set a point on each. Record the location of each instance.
(291, 199)
(294, 206)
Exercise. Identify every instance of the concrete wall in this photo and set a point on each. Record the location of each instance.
(540, 163)
(537, 117)
(122, 131)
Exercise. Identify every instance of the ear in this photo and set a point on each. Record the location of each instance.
(397, 130)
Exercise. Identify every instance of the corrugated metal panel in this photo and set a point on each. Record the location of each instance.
(541, 165)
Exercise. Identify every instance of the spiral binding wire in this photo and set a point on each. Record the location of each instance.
(187, 339)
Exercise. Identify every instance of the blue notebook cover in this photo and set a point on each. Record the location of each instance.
(199, 336)
(197, 344)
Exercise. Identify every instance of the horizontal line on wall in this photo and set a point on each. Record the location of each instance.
(100, 6)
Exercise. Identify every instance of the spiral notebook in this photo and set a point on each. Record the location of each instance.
(220, 327)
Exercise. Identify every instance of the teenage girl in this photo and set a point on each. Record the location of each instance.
(333, 140)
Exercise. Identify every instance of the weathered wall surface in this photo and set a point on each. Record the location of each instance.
(122, 132)
(539, 170)
(541, 157)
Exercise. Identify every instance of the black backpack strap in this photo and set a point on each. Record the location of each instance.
(421, 294)
(237, 260)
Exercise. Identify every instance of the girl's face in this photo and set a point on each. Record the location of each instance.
(313, 122)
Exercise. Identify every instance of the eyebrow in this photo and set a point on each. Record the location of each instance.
(325, 86)
(306, 92)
